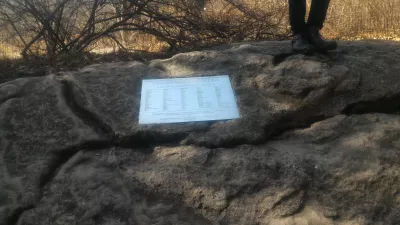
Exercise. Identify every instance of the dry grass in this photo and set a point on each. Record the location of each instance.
(9, 51)
(372, 35)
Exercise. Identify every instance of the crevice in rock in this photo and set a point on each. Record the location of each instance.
(279, 58)
(301, 120)
(388, 105)
(2, 101)
(287, 197)
(232, 142)
(295, 203)
(286, 123)
(87, 117)
(144, 141)
(307, 117)
(14, 217)
(60, 157)
(210, 155)
(149, 139)
(292, 121)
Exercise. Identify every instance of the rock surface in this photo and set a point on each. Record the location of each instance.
(318, 142)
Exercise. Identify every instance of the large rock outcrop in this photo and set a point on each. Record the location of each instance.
(318, 142)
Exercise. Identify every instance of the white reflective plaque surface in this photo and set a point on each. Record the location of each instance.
(187, 99)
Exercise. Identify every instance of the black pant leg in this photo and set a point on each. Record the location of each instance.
(318, 12)
(297, 14)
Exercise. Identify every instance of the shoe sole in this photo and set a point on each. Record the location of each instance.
(307, 51)
(326, 48)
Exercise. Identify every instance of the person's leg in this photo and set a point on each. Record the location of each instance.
(318, 12)
(297, 13)
(315, 23)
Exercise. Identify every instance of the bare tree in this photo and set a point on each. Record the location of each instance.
(62, 26)
(55, 27)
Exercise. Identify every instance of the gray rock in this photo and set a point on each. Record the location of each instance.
(37, 129)
(72, 151)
